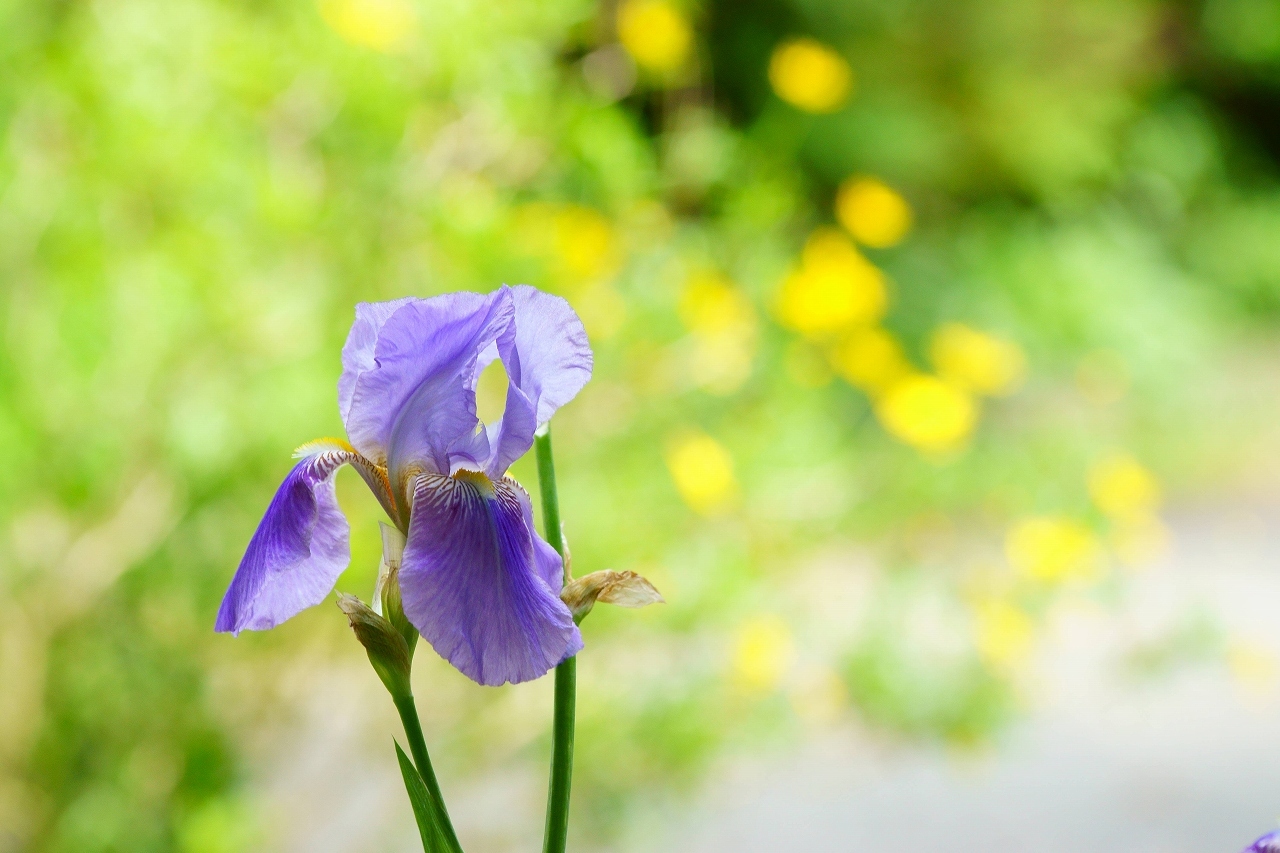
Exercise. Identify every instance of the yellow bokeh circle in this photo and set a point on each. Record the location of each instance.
(833, 289)
(656, 34)
(873, 212)
(927, 413)
(809, 75)
(982, 363)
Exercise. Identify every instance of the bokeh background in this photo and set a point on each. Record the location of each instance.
(923, 329)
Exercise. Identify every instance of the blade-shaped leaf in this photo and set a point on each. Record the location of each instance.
(425, 809)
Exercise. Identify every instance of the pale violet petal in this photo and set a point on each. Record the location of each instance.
(415, 407)
(548, 360)
(471, 584)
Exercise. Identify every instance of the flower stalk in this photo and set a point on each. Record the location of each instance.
(392, 659)
(556, 833)
(418, 749)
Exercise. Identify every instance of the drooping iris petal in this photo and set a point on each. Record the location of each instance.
(300, 547)
(415, 407)
(470, 584)
(546, 562)
(548, 360)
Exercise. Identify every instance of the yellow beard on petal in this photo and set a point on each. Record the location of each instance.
(478, 480)
(322, 445)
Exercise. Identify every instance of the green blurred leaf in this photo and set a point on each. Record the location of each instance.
(425, 810)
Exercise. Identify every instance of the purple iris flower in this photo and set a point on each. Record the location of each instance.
(477, 580)
(1269, 843)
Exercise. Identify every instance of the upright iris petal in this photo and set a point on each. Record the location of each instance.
(476, 578)
(548, 360)
(417, 405)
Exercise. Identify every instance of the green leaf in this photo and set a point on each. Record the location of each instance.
(425, 809)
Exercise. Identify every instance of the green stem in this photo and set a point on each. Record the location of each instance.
(418, 749)
(557, 828)
(550, 499)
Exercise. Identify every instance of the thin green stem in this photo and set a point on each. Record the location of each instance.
(550, 498)
(557, 828)
(418, 749)
(556, 835)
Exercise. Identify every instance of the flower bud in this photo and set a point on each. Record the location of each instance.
(386, 594)
(388, 651)
(625, 589)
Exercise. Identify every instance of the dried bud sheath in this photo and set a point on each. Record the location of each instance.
(625, 589)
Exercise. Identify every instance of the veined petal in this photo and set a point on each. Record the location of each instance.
(546, 562)
(547, 360)
(414, 409)
(300, 547)
(358, 351)
(471, 585)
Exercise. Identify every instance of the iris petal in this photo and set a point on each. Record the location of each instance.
(300, 547)
(414, 408)
(362, 340)
(1269, 843)
(546, 562)
(548, 360)
(473, 581)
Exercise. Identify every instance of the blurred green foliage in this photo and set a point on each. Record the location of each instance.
(194, 193)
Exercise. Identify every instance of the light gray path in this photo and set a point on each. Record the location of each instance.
(1105, 763)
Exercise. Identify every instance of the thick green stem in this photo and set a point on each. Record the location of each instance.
(418, 749)
(557, 828)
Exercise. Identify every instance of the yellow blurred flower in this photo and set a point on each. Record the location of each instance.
(1140, 540)
(827, 247)
(720, 364)
(533, 227)
(711, 304)
(871, 359)
(820, 697)
(1130, 495)
(982, 363)
(1253, 666)
(1122, 488)
(579, 243)
(1054, 548)
(762, 654)
(655, 33)
(807, 74)
(585, 243)
(602, 308)
(833, 289)
(927, 413)
(383, 25)
(703, 472)
(1004, 633)
(722, 323)
(873, 212)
